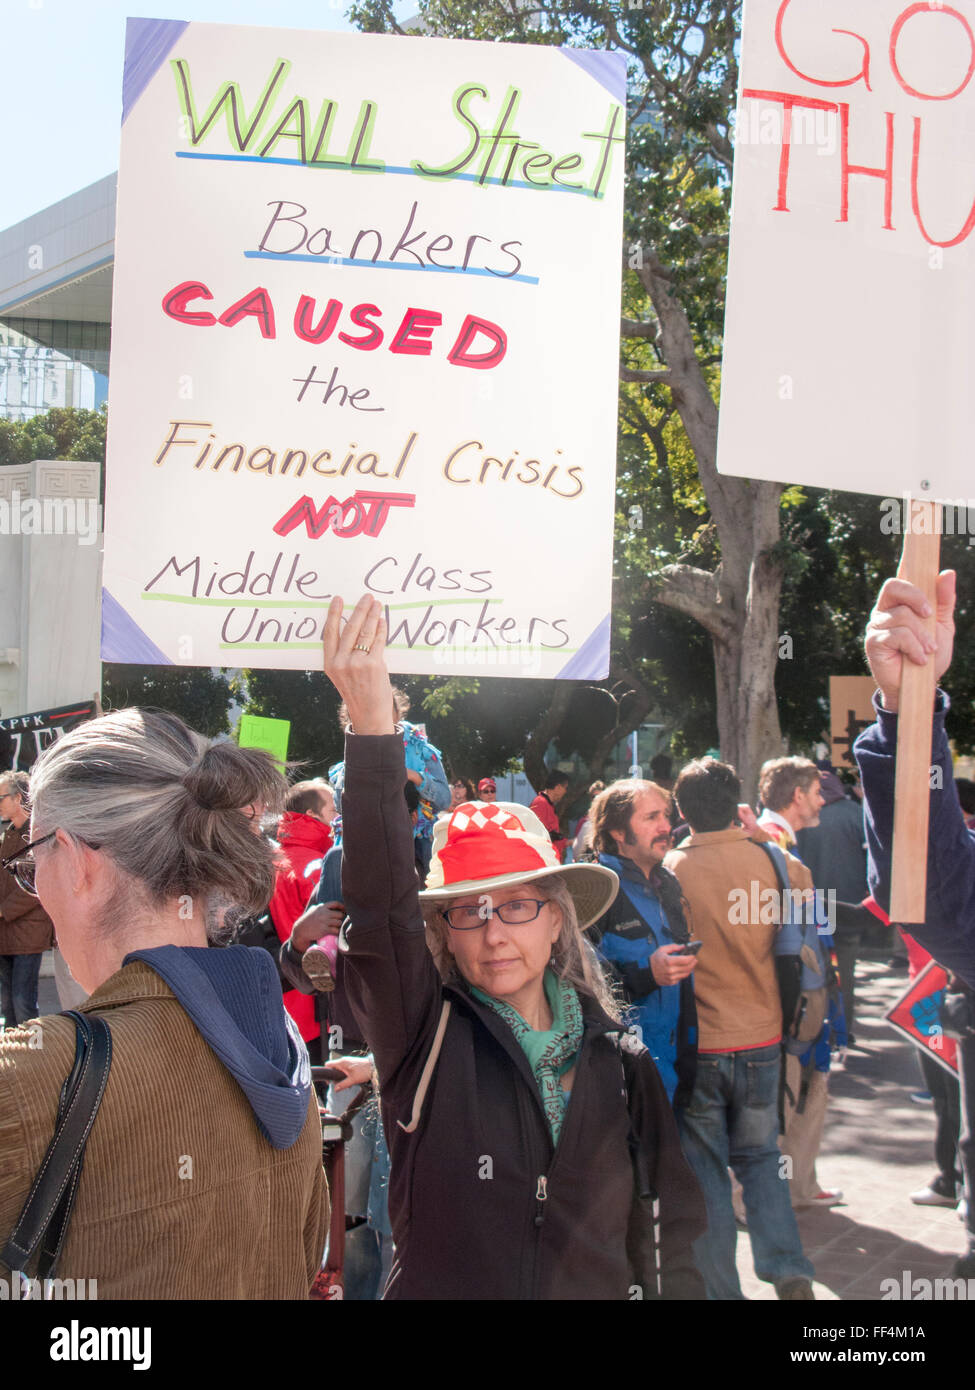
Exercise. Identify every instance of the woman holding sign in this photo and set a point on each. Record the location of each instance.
(534, 1154)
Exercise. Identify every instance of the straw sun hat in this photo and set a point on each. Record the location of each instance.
(483, 845)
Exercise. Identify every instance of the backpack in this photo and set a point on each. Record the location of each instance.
(801, 965)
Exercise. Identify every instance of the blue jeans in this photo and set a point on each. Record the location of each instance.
(18, 988)
(732, 1119)
(369, 1247)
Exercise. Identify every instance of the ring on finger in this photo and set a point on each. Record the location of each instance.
(360, 648)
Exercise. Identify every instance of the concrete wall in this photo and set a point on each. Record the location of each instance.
(50, 585)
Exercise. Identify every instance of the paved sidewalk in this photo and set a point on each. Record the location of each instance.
(877, 1148)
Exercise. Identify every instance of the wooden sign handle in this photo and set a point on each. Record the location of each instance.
(920, 560)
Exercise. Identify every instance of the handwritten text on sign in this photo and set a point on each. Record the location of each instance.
(365, 338)
(848, 320)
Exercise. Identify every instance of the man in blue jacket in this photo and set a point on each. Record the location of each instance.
(642, 935)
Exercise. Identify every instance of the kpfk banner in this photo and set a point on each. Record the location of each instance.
(23, 737)
(365, 339)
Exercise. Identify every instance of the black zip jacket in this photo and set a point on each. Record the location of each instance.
(481, 1205)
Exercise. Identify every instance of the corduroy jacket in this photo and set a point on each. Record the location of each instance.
(181, 1196)
(482, 1205)
(25, 928)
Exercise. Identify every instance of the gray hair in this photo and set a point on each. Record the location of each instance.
(573, 957)
(17, 784)
(163, 805)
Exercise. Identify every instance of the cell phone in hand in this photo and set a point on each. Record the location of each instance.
(691, 948)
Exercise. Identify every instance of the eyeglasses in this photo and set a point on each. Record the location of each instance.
(516, 913)
(23, 866)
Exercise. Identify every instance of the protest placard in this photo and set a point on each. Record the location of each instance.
(850, 712)
(848, 334)
(848, 320)
(254, 731)
(915, 1014)
(365, 339)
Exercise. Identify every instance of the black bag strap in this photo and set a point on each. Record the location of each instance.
(44, 1219)
(645, 1196)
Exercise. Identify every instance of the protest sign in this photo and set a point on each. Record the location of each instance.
(272, 735)
(23, 737)
(850, 711)
(365, 339)
(915, 1015)
(848, 333)
(849, 307)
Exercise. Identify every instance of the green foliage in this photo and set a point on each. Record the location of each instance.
(481, 726)
(199, 696)
(312, 705)
(59, 434)
(841, 556)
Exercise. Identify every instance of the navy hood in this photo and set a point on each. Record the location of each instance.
(233, 996)
(832, 788)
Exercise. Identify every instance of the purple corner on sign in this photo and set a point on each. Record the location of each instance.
(591, 661)
(123, 640)
(609, 69)
(147, 42)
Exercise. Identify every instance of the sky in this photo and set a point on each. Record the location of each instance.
(62, 83)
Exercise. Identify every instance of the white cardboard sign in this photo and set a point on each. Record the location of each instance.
(365, 339)
(849, 322)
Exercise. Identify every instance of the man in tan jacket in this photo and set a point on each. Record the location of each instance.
(26, 931)
(730, 891)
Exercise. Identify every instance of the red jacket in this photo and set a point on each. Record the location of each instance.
(304, 842)
(545, 812)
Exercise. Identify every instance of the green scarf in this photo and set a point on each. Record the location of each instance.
(550, 1052)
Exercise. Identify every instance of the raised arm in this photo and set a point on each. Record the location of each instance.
(896, 634)
(391, 981)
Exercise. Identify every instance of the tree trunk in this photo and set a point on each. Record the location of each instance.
(638, 709)
(548, 726)
(543, 733)
(738, 604)
(748, 716)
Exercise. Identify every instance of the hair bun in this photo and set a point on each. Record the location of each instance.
(221, 780)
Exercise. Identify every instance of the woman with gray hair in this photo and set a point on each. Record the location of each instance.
(202, 1175)
(530, 1136)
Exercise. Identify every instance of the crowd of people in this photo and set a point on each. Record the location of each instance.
(592, 1056)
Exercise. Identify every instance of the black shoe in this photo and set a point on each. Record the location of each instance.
(965, 1267)
(795, 1288)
